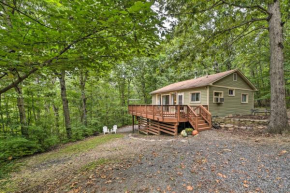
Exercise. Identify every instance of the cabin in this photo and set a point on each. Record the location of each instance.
(195, 101)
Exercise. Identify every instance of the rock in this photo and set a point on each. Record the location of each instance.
(230, 115)
(260, 127)
(222, 125)
(231, 129)
(244, 128)
(228, 125)
(249, 128)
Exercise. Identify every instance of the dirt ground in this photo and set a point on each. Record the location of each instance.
(213, 161)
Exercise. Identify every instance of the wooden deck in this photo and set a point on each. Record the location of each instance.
(155, 119)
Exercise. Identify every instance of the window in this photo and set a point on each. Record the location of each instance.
(195, 97)
(218, 97)
(231, 92)
(165, 99)
(245, 98)
(235, 77)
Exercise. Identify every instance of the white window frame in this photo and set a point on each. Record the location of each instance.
(177, 99)
(234, 92)
(193, 93)
(235, 74)
(213, 97)
(247, 98)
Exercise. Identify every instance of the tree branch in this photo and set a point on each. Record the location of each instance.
(241, 35)
(236, 26)
(46, 63)
(247, 6)
(35, 20)
(3, 75)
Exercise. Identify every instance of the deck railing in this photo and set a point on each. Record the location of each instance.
(160, 111)
(178, 113)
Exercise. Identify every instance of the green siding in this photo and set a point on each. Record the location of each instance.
(232, 104)
(228, 82)
(186, 94)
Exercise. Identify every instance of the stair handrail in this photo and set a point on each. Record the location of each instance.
(194, 115)
(208, 119)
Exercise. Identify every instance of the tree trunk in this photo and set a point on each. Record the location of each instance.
(21, 109)
(278, 118)
(65, 105)
(83, 80)
(2, 118)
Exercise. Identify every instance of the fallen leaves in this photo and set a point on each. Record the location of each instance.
(282, 152)
(189, 188)
(222, 175)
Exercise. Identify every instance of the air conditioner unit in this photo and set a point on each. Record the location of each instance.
(219, 100)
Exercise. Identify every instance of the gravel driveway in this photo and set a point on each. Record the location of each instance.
(213, 161)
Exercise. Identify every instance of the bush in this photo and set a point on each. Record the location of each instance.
(81, 132)
(16, 147)
(189, 131)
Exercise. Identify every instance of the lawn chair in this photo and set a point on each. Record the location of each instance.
(105, 130)
(114, 129)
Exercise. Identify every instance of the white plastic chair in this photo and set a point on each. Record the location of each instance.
(115, 127)
(105, 130)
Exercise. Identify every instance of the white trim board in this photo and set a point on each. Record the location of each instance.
(235, 88)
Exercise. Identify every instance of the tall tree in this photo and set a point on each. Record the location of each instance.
(278, 118)
(21, 110)
(65, 106)
(83, 80)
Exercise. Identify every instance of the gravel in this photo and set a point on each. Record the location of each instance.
(210, 162)
(213, 161)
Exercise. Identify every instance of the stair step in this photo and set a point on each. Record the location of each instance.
(204, 129)
(202, 125)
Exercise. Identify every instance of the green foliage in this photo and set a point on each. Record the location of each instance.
(16, 147)
(79, 147)
(82, 132)
(189, 131)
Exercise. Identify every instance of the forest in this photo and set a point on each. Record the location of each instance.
(67, 68)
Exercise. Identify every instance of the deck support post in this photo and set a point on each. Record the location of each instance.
(133, 124)
(178, 113)
(138, 119)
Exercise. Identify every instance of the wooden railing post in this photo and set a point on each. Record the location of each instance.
(146, 111)
(162, 112)
(153, 111)
(178, 113)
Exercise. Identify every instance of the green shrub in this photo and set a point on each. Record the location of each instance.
(189, 131)
(16, 147)
(50, 142)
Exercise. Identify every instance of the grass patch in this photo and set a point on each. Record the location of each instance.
(6, 185)
(78, 147)
(94, 164)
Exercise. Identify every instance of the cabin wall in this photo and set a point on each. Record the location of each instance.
(153, 99)
(232, 104)
(186, 96)
(230, 83)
